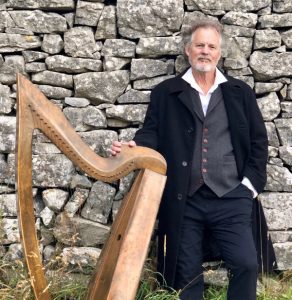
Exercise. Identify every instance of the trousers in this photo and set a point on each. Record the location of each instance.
(228, 219)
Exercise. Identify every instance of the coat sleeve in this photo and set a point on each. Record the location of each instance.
(255, 168)
(147, 136)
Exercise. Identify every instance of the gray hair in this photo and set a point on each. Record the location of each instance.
(201, 23)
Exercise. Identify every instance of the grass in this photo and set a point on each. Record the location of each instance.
(15, 285)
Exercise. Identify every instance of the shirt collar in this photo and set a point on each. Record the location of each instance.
(219, 78)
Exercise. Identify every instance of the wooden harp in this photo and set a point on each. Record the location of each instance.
(120, 264)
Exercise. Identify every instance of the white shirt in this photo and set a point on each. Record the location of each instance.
(205, 99)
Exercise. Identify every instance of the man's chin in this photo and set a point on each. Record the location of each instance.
(204, 69)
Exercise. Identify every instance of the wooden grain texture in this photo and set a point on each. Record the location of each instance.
(119, 267)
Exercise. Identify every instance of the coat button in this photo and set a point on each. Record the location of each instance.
(190, 130)
(184, 163)
(179, 196)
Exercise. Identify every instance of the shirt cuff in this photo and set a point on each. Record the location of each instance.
(245, 181)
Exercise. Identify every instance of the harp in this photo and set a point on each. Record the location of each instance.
(121, 261)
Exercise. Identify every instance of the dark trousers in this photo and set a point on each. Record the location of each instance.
(228, 219)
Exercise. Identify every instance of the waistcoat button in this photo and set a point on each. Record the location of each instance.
(179, 196)
(184, 163)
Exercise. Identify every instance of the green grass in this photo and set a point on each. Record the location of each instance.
(15, 285)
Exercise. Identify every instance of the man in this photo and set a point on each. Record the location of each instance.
(209, 129)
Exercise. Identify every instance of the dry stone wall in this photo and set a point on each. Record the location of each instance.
(98, 61)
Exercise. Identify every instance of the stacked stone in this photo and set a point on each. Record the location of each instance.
(98, 61)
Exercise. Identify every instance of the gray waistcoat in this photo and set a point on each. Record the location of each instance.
(213, 158)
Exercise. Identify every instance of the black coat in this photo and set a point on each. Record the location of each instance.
(169, 128)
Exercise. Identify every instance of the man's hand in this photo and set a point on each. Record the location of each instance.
(117, 146)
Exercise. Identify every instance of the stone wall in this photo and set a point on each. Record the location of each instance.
(98, 61)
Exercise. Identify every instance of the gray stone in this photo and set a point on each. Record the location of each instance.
(233, 30)
(238, 62)
(115, 208)
(191, 17)
(273, 151)
(60, 63)
(149, 84)
(94, 117)
(13, 64)
(56, 5)
(107, 27)
(38, 21)
(272, 134)
(115, 63)
(5, 189)
(48, 217)
(279, 179)
(75, 115)
(286, 154)
(266, 87)
(5, 21)
(240, 19)
(100, 140)
(283, 253)
(80, 42)
(7, 134)
(289, 92)
(265, 39)
(218, 277)
(88, 13)
(276, 161)
(281, 236)
(35, 67)
(76, 102)
(70, 19)
(267, 71)
(16, 30)
(80, 181)
(282, 6)
(47, 236)
(55, 199)
(284, 127)
(79, 232)
(131, 113)
(30, 55)
(80, 259)
(6, 102)
(101, 87)
(14, 253)
(286, 108)
(269, 106)
(55, 92)
(276, 20)
(50, 148)
(125, 185)
(127, 134)
(160, 46)
(117, 123)
(231, 5)
(10, 231)
(10, 42)
(76, 201)
(52, 43)
(181, 64)
(98, 205)
(278, 210)
(118, 48)
(240, 72)
(134, 96)
(49, 253)
(8, 205)
(53, 78)
(148, 18)
(147, 68)
(287, 38)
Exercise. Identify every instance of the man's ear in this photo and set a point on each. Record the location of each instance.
(187, 50)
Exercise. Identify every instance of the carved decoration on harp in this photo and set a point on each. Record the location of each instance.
(120, 264)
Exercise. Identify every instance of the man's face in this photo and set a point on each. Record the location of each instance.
(204, 51)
